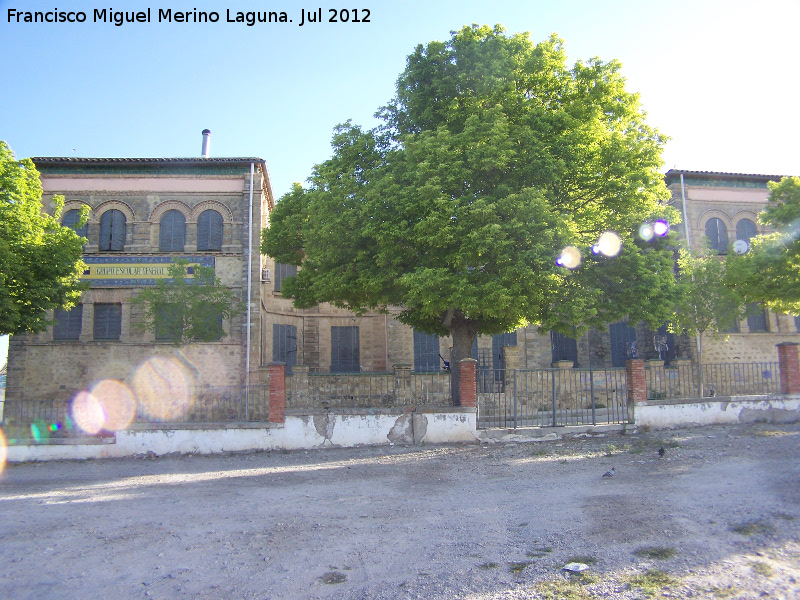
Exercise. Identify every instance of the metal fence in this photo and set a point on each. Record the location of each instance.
(553, 397)
(724, 379)
(84, 414)
(368, 390)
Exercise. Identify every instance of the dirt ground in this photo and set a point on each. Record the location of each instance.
(717, 517)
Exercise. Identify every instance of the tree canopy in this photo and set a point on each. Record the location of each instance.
(40, 261)
(182, 310)
(492, 157)
(770, 271)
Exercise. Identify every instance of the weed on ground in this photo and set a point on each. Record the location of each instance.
(651, 583)
(333, 577)
(561, 589)
(750, 528)
(762, 568)
(656, 552)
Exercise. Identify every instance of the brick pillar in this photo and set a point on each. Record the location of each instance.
(790, 368)
(277, 392)
(637, 385)
(467, 368)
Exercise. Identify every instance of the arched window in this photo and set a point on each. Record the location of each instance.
(172, 233)
(112, 231)
(745, 229)
(717, 234)
(71, 219)
(209, 231)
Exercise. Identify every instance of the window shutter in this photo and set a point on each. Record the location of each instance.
(71, 219)
(105, 231)
(426, 352)
(745, 229)
(107, 321)
(117, 230)
(68, 323)
(215, 230)
(209, 231)
(172, 234)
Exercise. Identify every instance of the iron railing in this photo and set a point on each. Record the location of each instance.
(368, 390)
(82, 415)
(719, 379)
(553, 397)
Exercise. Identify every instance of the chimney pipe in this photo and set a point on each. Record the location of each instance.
(206, 143)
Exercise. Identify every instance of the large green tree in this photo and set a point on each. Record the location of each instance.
(182, 310)
(704, 304)
(493, 157)
(40, 261)
(770, 271)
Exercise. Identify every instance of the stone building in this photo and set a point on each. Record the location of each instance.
(720, 210)
(145, 213)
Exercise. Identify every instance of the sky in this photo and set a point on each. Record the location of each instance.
(718, 77)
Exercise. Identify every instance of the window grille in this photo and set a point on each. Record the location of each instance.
(426, 352)
(284, 345)
(717, 234)
(168, 323)
(107, 321)
(623, 343)
(112, 231)
(283, 271)
(68, 323)
(745, 230)
(563, 347)
(172, 232)
(71, 220)
(209, 231)
(345, 355)
(757, 318)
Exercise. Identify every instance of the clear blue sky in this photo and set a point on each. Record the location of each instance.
(718, 77)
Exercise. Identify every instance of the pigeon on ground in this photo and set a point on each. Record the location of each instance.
(661, 452)
(609, 473)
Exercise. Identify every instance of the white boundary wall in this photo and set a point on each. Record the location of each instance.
(718, 411)
(357, 428)
(298, 432)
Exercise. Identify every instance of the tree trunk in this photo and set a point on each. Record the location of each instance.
(700, 363)
(463, 332)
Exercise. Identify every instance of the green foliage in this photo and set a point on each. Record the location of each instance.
(770, 272)
(40, 261)
(704, 303)
(181, 310)
(493, 156)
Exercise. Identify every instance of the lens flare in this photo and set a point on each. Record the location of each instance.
(162, 388)
(646, 232)
(88, 413)
(118, 403)
(3, 451)
(661, 228)
(609, 244)
(570, 257)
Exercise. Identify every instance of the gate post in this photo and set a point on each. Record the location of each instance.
(466, 376)
(277, 392)
(637, 385)
(790, 368)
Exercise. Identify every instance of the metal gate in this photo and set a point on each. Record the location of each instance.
(511, 398)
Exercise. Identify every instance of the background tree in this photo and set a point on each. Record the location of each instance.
(492, 158)
(182, 310)
(770, 271)
(704, 304)
(40, 261)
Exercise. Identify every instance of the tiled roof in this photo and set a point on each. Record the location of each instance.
(143, 161)
(720, 175)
